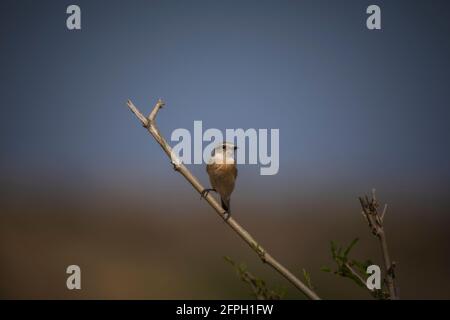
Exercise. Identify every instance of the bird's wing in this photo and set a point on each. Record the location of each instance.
(235, 171)
(210, 170)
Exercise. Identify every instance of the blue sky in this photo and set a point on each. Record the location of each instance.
(355, 108)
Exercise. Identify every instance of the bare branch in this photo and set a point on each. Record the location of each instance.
(149, 124)
(375, 220)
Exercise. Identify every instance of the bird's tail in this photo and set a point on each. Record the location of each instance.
(225, 204)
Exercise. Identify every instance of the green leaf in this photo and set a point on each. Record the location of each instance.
(325, 269)
(242, 267)
(307, 277)
(339, 254)
(351, 245)
(229, 260)
(333, 248)
(257, 285)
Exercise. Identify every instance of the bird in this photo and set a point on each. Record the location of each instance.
(222, 172)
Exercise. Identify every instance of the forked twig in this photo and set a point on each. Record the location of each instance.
(375, 221)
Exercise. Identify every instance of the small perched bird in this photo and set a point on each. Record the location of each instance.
(222, 173)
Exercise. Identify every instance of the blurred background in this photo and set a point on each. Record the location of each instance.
(82, 183)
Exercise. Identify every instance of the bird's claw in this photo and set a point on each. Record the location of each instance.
(205, 192)
(226, 216)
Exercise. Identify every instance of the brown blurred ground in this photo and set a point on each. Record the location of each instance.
(134, 245)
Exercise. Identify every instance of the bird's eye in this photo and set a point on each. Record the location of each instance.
(235, 148)
(224, 147)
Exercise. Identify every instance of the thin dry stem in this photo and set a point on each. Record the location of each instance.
(356, 274)
(375, 221)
